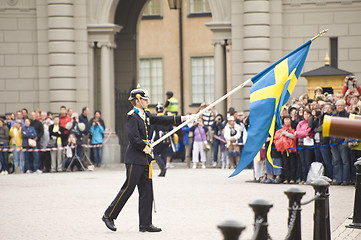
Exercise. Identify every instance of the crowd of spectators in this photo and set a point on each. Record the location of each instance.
(295, 147)
(45, 142)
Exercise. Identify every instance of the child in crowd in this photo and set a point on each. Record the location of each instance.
(273, 171)
(70, 151)
(222, 145)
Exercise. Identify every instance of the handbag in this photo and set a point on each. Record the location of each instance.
(206, 145)
(31, 142)
(52, 143)
(69, 152)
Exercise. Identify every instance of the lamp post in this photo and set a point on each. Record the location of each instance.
(175, 4)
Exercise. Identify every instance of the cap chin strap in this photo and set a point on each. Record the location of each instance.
(138, 97)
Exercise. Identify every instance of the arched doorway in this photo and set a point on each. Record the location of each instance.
(112, 33)
(125, 63)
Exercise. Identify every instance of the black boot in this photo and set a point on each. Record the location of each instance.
(162, 172)
(109, 223)
(149, 228)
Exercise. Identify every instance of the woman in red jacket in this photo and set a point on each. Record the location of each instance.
(285, 142)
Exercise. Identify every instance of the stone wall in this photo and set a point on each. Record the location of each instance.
(18, 56)
(302, 20)
(32, 76)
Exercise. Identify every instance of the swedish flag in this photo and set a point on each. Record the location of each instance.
(270, 91)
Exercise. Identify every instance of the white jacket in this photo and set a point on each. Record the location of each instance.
(239, 129)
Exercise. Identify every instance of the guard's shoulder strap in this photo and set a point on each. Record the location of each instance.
(131, 112)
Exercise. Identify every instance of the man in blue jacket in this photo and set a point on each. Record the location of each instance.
(138, 162)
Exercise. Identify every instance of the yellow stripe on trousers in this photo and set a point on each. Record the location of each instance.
(130, 172)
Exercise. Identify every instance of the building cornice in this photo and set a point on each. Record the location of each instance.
(221, 32)
(103, 34)
(103, 28)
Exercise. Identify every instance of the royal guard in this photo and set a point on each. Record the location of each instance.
(138, 161)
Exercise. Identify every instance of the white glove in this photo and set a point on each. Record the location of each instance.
(148, 150)
(192, 116)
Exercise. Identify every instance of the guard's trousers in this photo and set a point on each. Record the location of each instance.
(137, 175)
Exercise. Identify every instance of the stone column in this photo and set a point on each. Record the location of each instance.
(105, 84)
(221, 29)
(62, 80)
(91, 56)
(112, 87)
(111, 150)
(220, 75)
(256, 41)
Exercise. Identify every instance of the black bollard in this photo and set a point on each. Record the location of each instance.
(320, 213)
(294, 215)
(356, 219)
(260, 208)
(328, 229)
(231, 229)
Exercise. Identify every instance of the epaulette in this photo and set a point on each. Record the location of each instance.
(131, 112)
(147, 110)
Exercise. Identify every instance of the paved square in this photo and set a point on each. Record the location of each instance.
(189, 203)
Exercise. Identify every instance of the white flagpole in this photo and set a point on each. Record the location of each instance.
(320, 34)
(200, 113)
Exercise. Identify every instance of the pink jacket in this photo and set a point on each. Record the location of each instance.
(302, 130)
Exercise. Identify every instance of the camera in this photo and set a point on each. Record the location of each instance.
(350, 82)
(318, 113)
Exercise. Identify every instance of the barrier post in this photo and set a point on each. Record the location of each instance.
(231, 229)
(321, 213)
(260, 208)
(294, 212)
(328, 229)
(356, 219)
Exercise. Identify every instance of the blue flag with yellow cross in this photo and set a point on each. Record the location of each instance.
(270, 91)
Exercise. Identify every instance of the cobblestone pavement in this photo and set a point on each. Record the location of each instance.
(189, 203)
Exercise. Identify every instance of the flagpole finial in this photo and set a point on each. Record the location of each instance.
(319, 35)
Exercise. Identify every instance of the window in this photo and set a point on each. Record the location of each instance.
(199, 7)
(151, 78)
(153, 9)
(202, 79)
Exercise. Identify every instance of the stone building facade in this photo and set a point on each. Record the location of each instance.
(77, 52)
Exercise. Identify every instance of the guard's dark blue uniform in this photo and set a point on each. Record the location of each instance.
(137, 165)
